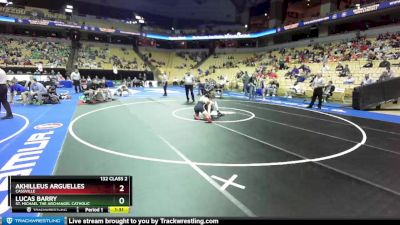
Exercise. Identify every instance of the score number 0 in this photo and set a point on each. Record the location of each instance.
(122, 199)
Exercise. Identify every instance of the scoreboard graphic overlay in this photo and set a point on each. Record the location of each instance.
(63, 194)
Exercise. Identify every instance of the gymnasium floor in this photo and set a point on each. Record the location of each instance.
(260, 160)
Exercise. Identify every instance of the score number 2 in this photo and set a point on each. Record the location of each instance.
(121, 189)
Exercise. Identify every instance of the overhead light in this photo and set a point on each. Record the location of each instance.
(69, 7)
(138, 17)
(245, 26)
(141, 21)
(6, 2)
(68, 10)
(265, 14)
(172, 28)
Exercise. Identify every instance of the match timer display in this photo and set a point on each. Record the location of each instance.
(62, 194)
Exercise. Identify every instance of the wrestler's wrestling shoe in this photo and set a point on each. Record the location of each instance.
(219, 114)
(208, 119)
(196, 117)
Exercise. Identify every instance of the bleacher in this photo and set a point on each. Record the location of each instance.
(105, 56)
(173, 63)
(28, 52)
(229, 64)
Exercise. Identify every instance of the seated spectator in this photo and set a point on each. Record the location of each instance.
(339, 67)
(84, 83)
(272, 75)
(386, 75)
(282, 64)
(369, 64)
(272, 87)
(328, 90)
(345, 72)
(297, 88)
(14, 80)
(300, 79)
(175, 81)
(295, 72)
(384, 63)
(366, 80)
(349, 80)
(59, 76)
(306, 69)
(325, 68)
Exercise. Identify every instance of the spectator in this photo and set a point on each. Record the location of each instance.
(297, 89)
(328, 90)
(384, 63)
(175, 81)
(325, 68)
(272, 87)
(385, 76)
(367, 80)
(306, 69)
(295, 72)
(252, 87)
(349, 80)
(59, 76)
(246, 79)
(345, 72)
(369, 64)
(272, 75)
(339, 67)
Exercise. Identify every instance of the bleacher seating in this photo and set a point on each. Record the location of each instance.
(27, 52)
(174, 64)
(105, 56)
(353, 53)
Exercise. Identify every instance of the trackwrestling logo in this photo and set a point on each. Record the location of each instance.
(22, 163)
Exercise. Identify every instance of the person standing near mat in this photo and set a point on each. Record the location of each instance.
(164, 80)
(76, 80)
(3, 95)
(189, 82)
(318, 85)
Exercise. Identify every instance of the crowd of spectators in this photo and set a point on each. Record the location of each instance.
(24, 52)
(99, 57)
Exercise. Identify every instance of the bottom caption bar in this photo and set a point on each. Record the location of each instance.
(122, 220)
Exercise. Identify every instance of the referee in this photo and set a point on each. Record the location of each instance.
(318, 85)
(189, 82)
(3, 95)
(76, 80)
